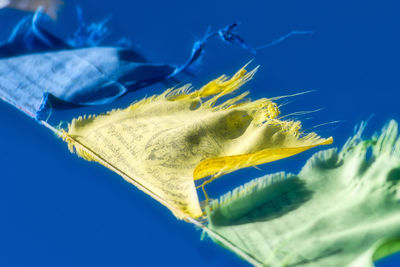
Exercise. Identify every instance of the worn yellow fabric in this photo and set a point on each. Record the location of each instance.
(167, 141)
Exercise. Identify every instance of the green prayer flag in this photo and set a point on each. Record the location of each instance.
(342, 209)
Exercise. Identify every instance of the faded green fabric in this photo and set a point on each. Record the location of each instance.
(342, 209)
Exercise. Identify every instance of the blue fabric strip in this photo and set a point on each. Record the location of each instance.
(37, 67)
(39, 71)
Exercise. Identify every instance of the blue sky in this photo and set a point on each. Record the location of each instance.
(58, 210)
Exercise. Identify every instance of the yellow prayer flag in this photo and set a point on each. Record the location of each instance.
(167, 141)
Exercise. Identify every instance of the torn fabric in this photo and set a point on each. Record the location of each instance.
(167, 141)
(342, 209)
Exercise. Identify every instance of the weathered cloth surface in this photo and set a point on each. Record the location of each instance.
(167, 141)
(87, 76)
(341, 210)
